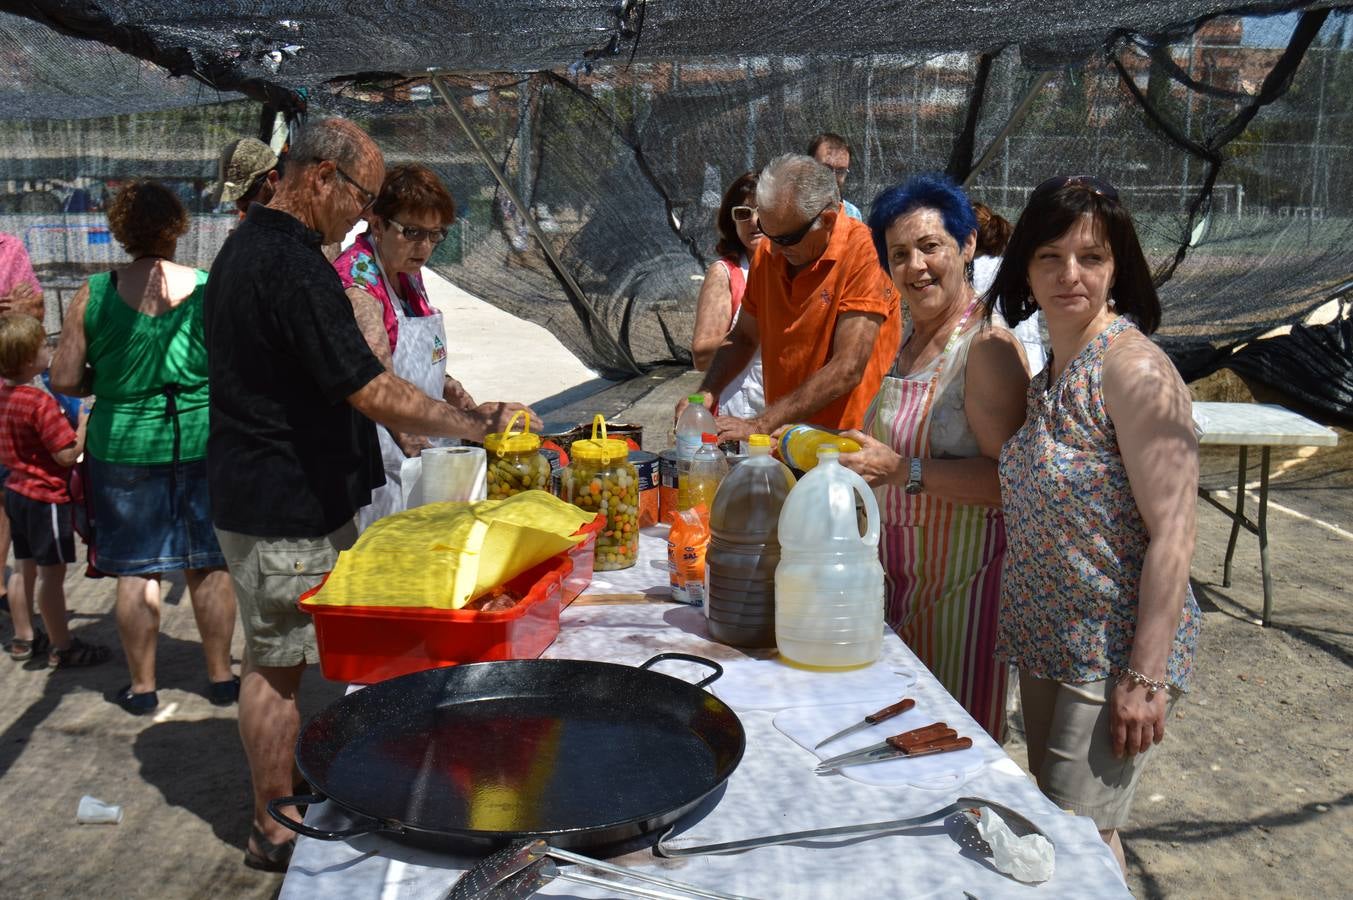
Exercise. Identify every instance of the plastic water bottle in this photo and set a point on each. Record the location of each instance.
(799, 443)
(694, 422)
(829, 583)
(744, 548)
(708, 468)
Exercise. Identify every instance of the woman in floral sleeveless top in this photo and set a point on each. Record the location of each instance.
(1098, 488)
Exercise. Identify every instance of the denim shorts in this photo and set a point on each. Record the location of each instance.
(153, 518)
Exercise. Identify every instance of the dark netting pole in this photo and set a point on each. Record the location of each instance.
(565, 278)
(960, 160)
(1017, 116)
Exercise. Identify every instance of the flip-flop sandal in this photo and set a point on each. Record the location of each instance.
(20, 649)
(269, 857)
(78, 655)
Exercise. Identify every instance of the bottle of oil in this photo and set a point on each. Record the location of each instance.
(798, 445)
(829, 583)
(744, 548)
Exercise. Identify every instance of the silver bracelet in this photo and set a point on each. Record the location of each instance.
(1126, 673)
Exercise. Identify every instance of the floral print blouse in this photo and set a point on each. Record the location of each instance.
(357, 267)
(1076, 538)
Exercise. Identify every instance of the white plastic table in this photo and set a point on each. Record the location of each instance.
(773, 790)
(1247, 425)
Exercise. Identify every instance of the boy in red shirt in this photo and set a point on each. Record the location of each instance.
(38, 446)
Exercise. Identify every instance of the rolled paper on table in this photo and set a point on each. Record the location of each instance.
(454, 474)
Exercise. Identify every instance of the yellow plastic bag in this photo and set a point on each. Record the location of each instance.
(442, 555)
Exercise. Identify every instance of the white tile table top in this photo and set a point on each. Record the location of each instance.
(1258, 424)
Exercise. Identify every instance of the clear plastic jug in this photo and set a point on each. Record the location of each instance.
(744, 549)
(829, 583)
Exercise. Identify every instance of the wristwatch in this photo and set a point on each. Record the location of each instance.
(914, 481)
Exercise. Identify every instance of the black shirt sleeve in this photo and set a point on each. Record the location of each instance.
(320, 327)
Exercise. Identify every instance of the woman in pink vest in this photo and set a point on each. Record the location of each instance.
(721, 297)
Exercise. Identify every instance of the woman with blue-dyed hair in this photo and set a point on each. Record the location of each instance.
(931, 440)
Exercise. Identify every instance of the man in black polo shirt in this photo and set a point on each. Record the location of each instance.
(292, 452)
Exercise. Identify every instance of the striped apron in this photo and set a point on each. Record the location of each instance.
(943, 559)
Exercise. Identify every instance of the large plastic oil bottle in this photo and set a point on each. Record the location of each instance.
(744, 548)
(829, 583)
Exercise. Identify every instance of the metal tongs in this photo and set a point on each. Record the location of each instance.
(521, 870)
(936, 738)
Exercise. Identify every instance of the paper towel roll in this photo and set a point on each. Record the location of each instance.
(453, 473)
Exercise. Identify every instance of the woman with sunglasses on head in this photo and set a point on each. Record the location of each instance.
(1099, 489)
(382, 273)
(720, 301)
(954, 394)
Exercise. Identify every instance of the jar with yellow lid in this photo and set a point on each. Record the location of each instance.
(515, 463)
(600, 479)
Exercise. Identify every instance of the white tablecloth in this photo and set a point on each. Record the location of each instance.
(773, 790)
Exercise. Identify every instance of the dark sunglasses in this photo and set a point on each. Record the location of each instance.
(414, 235)
(743, 213)
(369, 199)
(789, 240)
(1092, 183)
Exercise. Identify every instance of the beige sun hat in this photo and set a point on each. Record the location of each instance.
(242, 161)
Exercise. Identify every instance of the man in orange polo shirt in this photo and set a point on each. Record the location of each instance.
(822, 310)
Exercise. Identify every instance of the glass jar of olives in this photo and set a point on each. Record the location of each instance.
(515, 463)
(601, 479)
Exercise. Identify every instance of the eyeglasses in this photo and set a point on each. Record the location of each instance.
(414, 235)
(789, 240)
(1092, 183)
(743, 213)
(368, 197)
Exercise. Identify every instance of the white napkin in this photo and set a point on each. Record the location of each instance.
(808, 725)
(775, 684)
(1029, 858)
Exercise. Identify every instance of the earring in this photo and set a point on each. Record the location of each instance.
(968, 270)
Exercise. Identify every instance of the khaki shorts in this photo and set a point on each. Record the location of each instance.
(270, 574)
(1071, 749)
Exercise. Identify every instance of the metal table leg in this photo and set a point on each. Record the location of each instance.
(1239, 515)
(1263, 536)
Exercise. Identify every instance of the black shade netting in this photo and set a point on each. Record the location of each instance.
(1230, 140)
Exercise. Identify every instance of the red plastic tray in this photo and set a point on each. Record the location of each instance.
(584, 555)
(366, 644)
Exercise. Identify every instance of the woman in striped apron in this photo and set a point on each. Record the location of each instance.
(932, 437)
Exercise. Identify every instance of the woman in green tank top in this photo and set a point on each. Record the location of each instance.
(133, 338)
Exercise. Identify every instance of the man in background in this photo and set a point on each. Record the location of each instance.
(246, 173)
(832, 150)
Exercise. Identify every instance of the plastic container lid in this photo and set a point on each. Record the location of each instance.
(697, 399)
(759, 440)
(600, 448)
(707, 438)
(513, 442)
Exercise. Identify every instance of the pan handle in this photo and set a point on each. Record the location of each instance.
(718, 669)
(274, 810)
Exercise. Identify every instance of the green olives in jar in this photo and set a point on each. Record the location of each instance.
(600, 479)
(515, 463)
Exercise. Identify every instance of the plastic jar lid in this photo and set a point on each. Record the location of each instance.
(599, 448)
(513, 441)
